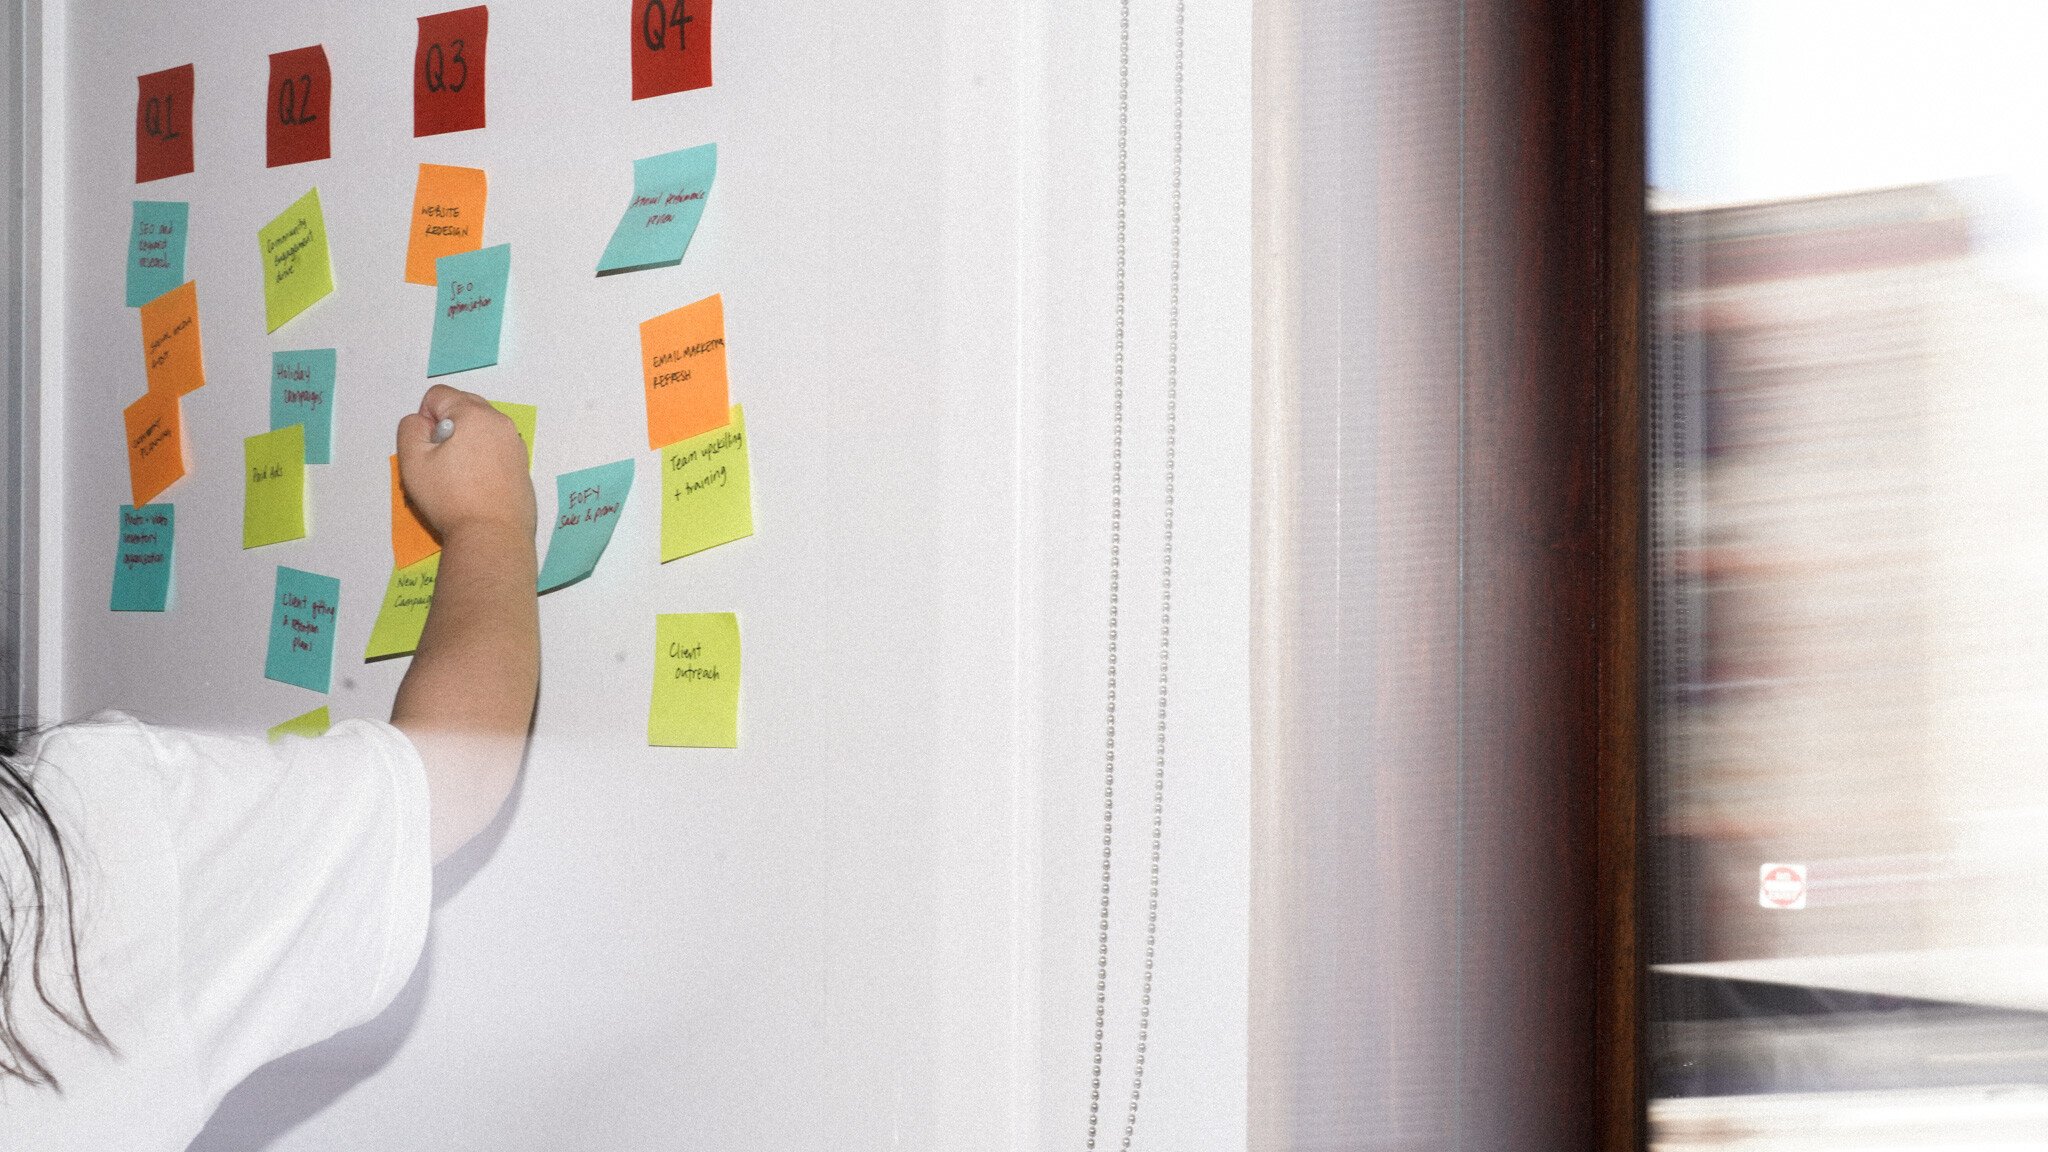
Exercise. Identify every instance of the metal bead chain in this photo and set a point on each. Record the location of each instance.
(1116, 522)
(1165, 578)
(1115, 575)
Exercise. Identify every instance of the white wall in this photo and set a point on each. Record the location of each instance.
(875, 924)
(1193, 1090)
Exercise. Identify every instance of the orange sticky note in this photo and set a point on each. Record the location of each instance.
(170, 341)
(447, 217)
(683, 356)
(156, 444)
(410, 540)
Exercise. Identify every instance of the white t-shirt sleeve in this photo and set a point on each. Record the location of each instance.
(305, 878)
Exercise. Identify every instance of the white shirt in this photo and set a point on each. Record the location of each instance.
(236, 900)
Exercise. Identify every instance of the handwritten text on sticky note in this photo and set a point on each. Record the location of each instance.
(172, 356)
(682, 364)
(671, 46)
(156, 444)
(302, 392)
(707, 490)
(300, 91)
(587, 507)
(163, 124)
(408, 597)
(156, 249)
(302, 616)
(274, 491)
(142, 558)
(669, 192)
(448, 71)
(297, 269)
(696, 681)
(469, 309)
(447, 217)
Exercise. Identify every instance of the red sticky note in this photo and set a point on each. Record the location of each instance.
(671, 46)
(300, 93)
(448, 72)
(163, 124)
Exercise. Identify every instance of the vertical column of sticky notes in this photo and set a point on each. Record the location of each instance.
(698, 433)
(446, 224)
(298, 272)
(173, 363)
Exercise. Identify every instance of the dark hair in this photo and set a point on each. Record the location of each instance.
(33, 842)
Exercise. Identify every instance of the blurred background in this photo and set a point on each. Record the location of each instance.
(1848, 347)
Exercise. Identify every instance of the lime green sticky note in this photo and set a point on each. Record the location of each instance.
(310, 725)
(274, 492)
(407, 598)
(297, 271)
(696, 681)
(707, 491)
(526, 418)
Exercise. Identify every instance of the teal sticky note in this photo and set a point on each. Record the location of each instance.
(302, 612)
(587, 507)
(669, 192)
(156, 249)
(142, 558)
(469, 309)
(302, 392)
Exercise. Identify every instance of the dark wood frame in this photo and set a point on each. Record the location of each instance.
(1555, 541)
(1620, 972)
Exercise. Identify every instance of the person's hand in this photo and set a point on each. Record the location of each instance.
(477, 478)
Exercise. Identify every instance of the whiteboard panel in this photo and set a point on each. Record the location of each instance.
(873, 924)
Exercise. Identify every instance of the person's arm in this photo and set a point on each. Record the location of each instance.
(467, 701)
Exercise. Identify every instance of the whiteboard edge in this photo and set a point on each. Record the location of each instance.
(1027, 813)
(43, 344)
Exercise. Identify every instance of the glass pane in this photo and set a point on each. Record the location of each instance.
(1848, 292)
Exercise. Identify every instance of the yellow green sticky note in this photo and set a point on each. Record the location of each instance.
(274, 492)
(309, 725)
(297, 270)
(696, 681)
(526, 418)
(408, 596)
(707, 491)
